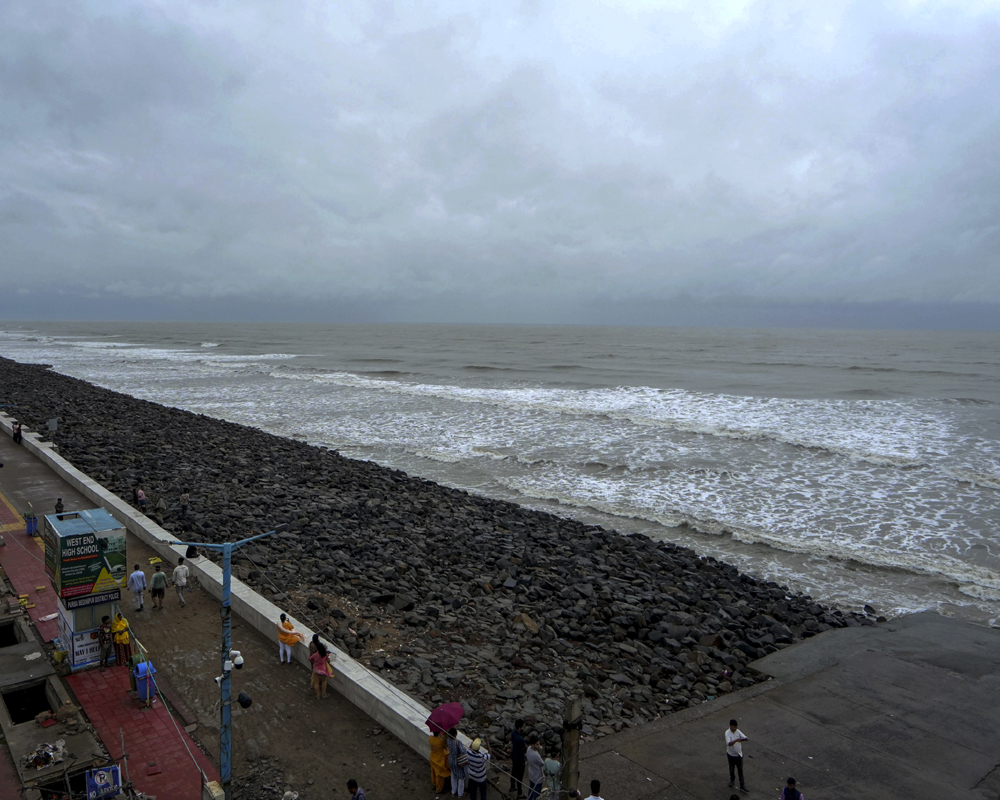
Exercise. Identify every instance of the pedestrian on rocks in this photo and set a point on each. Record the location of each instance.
(553, 770)
(59, 506)
(321, 671)
(791, 792)
(158, 587)
(185, 499)
(137, 585)
(104, 641)
(458, 759)
(288, 637)
(595, 790)
(536, 767)
(123, 647)
(16, 432)
(518, 753)
(734, 753)
(475, 769)
(357, 793)
(440, 772)
(180, 579)
(140, 497)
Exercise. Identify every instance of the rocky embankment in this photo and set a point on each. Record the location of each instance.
(448, 595)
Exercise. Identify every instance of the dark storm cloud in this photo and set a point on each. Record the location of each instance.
(533, 162)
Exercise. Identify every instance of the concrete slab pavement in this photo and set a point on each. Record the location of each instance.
(906, 709)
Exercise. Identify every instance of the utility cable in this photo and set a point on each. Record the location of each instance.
(395, 691)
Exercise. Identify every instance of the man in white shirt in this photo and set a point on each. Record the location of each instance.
(595, 791)
(180, 579)
(734, 752)
(137, 585)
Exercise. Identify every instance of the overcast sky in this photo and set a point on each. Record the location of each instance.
(545, 161)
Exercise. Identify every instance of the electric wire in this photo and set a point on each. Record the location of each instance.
(396, 692)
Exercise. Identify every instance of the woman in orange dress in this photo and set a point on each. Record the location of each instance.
(288, 637)
(440, 773)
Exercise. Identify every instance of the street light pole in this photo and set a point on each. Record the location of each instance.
(226, 728)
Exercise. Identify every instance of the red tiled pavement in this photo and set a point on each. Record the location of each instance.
(150, 735)
(23, 562)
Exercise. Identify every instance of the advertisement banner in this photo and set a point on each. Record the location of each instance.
(90, 563)
(86, 649)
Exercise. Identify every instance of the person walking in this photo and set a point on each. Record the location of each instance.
(791, 792)
(357, 793)
(457, 761)
(123, 647)
(137, 585)
(518, 753)
(104, 641)
(185, 499)
(180, 579)
(158, 587)
(734, 753)
(475, 769)
(288, 637)
(439, 761)
(140, 496)
(536, 767)
(59, 506)
(321, 671)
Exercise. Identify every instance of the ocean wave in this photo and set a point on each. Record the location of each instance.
(990, 481)
(887, 433)
(209, 344)
(971, 579)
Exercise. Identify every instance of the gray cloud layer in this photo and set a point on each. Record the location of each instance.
(468, 160)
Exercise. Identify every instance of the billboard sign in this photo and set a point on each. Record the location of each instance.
(80, 558)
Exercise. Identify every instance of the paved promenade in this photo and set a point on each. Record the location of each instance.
(908, 709)
(164, 760)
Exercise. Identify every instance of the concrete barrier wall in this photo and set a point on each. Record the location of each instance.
(388, 706)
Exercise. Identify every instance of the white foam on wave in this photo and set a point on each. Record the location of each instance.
(783, 526)
(893, 433)
(209, 344)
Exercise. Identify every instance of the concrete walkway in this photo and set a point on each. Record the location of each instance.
(908, 709)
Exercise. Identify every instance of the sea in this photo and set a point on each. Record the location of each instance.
(859, 467)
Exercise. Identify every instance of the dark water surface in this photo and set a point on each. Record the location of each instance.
(858, 466)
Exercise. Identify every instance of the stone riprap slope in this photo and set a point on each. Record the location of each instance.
(450, 596)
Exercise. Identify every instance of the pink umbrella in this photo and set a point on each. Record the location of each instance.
(445, 717)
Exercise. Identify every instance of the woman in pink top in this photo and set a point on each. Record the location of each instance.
(320, 661)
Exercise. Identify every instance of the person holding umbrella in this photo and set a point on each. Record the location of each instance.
(440, 772)
(442, 719)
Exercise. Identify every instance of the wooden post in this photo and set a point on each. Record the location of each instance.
(572, 722)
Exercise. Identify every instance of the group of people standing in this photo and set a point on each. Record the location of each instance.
(466, 766)
(114, 635)
(319, 654)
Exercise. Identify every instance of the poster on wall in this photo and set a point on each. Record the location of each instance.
(86, 649)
